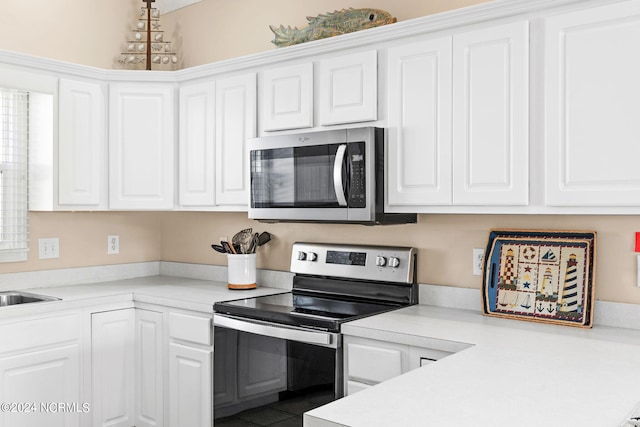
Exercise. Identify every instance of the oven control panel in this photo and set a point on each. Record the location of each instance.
(382, 263)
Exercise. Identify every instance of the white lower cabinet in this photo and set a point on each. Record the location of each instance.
(189, 386)
(112, 368)
(127, 368)
(368, 362)
(41, 369)
(149, 366)
(190, 370)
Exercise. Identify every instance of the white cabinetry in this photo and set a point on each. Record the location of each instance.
(419, 136)
(491, 116)
(286, 97)
(127, 368)
(477, 155)
(113, 373)
(197, 145)
(190, 370)
(82, 145)
(348, 88)
(591, 107)
(235, 123)
(149, 369)
(368, 362)
(141, 146)
(40, 363)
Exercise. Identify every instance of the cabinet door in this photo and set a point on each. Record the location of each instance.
(491, 116)
(348, 90)
(40, 364)
(141, 146)
(112, 358)
(235, 123)
(41, 377)
(82, 148)
(190, 397)
(419, 150)
(591, 105)
(286, 98)
(374, 362)
(149, 368)
(262, 365)
(197, 145)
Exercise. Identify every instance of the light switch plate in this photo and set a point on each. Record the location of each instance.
(49, 248)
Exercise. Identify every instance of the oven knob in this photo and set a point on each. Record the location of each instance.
(394, 262)
(312, 256)
(381, 261)
(302, 256)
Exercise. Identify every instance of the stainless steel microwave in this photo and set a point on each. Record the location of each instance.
(327, 176)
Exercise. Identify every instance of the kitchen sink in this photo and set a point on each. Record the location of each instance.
(17, 297)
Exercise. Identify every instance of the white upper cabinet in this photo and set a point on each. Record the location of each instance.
(197, 145)
(592, 108)
(491, 116)
(286, 97)
(82, 146)
(235, 123)
(141, 146)
(347, 88)
(419, 122)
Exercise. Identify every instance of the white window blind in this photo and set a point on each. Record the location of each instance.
(14, 138)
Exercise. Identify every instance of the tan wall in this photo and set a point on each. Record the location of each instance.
(91, 33)
(83, 239)
(213, 30)
(444, 243)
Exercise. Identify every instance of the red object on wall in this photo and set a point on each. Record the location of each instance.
(637, 241)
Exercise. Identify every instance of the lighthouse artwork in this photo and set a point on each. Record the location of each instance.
(543, 276)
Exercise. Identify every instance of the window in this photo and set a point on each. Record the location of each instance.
(14, 137)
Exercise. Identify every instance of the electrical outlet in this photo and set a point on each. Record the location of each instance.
(49, 248)
(113, 245)
(478, 259)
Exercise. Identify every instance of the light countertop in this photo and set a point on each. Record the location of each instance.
(505, 373)
(176, 292)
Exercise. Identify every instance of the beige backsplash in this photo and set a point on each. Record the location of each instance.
(444, 242)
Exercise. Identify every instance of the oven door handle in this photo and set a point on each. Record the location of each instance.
(338, 165)
(284, 332)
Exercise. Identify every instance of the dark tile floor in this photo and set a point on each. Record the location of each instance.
(284, 413)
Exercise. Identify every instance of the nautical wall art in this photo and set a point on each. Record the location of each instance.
(544, 276)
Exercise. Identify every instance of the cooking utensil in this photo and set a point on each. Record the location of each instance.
(253, 244)
(243, 239)
(227, 247)
(218, 248)
(263, 238)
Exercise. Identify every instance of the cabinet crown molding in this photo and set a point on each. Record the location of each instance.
(494, 10)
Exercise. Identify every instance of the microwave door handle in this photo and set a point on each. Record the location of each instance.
(338, 185)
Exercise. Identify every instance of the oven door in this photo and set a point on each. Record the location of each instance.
(259, 364)
(315, 176)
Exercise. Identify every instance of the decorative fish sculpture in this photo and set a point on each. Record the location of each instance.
(331, 24)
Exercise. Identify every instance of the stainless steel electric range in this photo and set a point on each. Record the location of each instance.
(332, 284)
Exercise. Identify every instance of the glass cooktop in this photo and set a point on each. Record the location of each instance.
(302, 309)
